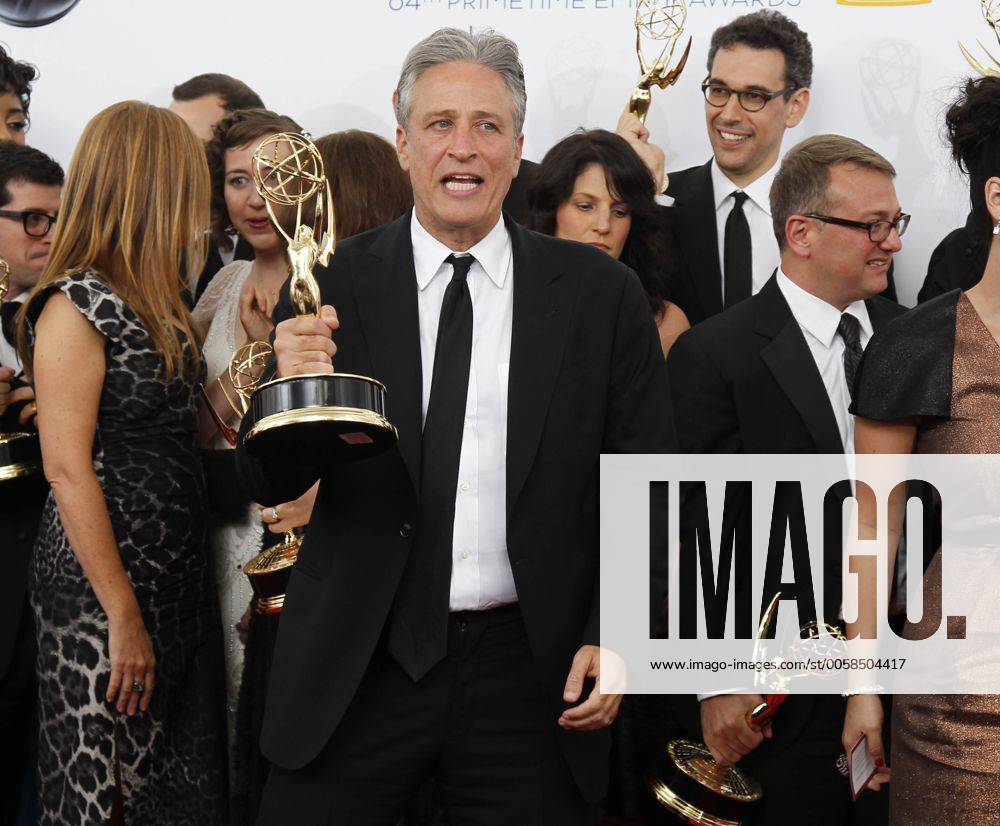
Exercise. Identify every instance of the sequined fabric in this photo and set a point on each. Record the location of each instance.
(946, 748)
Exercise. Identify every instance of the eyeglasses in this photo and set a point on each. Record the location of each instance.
(36, 224)
(877, 231)
(752, 100)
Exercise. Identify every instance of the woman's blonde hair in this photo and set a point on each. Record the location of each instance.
(135, 211)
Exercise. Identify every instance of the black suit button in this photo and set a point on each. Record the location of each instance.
(405, 530)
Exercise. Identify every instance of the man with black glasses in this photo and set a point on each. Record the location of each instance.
(775, 374)
(759, 72)
(30, 188)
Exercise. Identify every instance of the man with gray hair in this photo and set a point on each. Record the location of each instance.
(442, 617)
(774, 374)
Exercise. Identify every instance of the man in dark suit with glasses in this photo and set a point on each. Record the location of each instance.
(759, 73)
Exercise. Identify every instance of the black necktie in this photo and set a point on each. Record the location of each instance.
(738, 254)
(8, 310)
(418, 628)
(849, 330)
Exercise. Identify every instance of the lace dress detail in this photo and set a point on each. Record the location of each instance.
(232, 542)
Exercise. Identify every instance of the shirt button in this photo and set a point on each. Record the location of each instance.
(464, 555)
(405, 530)
(464, 486)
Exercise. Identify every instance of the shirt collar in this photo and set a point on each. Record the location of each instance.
(758, 191)
(493, 253)
(816, 316)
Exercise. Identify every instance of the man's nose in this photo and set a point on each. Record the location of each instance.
(462, 146)
(892, 243)
(732, 112)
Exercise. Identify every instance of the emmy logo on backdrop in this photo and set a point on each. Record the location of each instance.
(688, 782)
(659, 21)
(991, 9)
(20, 453)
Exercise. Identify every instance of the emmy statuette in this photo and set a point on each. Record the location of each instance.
(991, 10)
(659, 21)
(337, 417)
(689, 783)
(20, 453)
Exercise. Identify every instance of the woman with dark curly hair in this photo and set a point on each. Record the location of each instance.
(16, 78)
(929, 383)
(593, 188)
(960, 258)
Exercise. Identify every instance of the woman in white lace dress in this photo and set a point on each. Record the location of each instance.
(236, 308)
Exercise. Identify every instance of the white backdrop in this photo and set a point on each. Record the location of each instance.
(884, 72)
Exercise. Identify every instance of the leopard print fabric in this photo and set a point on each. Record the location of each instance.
(171, 758)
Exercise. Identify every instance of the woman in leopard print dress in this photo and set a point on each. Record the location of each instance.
(131, 690)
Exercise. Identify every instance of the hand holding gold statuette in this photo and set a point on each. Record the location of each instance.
(991, 11)
(687, 780)
(660, 22)
(335, 417)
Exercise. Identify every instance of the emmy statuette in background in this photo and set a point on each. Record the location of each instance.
(991, 11)
(20, 453)
(659, 21)
(337, 417)
(688, 782)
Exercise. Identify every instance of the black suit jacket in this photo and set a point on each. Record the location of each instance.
(586, 376)
(745, 381)
(516, 203)
(697, 287)
(21, 502)
(958, 261)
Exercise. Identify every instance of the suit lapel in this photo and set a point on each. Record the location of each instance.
(386, 288)
(696, 226)
(543, 304)
(794, 369)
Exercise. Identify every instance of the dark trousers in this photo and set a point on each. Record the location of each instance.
(17, 718)
(476, 724)
(802, 783)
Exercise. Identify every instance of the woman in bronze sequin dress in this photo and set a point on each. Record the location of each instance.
(930, 383)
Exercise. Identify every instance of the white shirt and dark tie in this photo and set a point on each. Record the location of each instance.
(481, 576)
(765, 256)
(821, 323)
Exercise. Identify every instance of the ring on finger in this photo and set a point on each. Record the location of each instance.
(275, 516)
(138, 686)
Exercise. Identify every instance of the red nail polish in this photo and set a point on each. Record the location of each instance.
(880, 762)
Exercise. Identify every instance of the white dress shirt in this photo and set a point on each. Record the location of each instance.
(8, 354)
(757, 208)
(481, 576)
(819, 321)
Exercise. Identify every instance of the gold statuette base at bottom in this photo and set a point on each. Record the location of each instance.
(269, 571)
(691, 814)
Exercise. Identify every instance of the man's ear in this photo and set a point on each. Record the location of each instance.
(798, 104)
(797, 235)
(402, 149)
